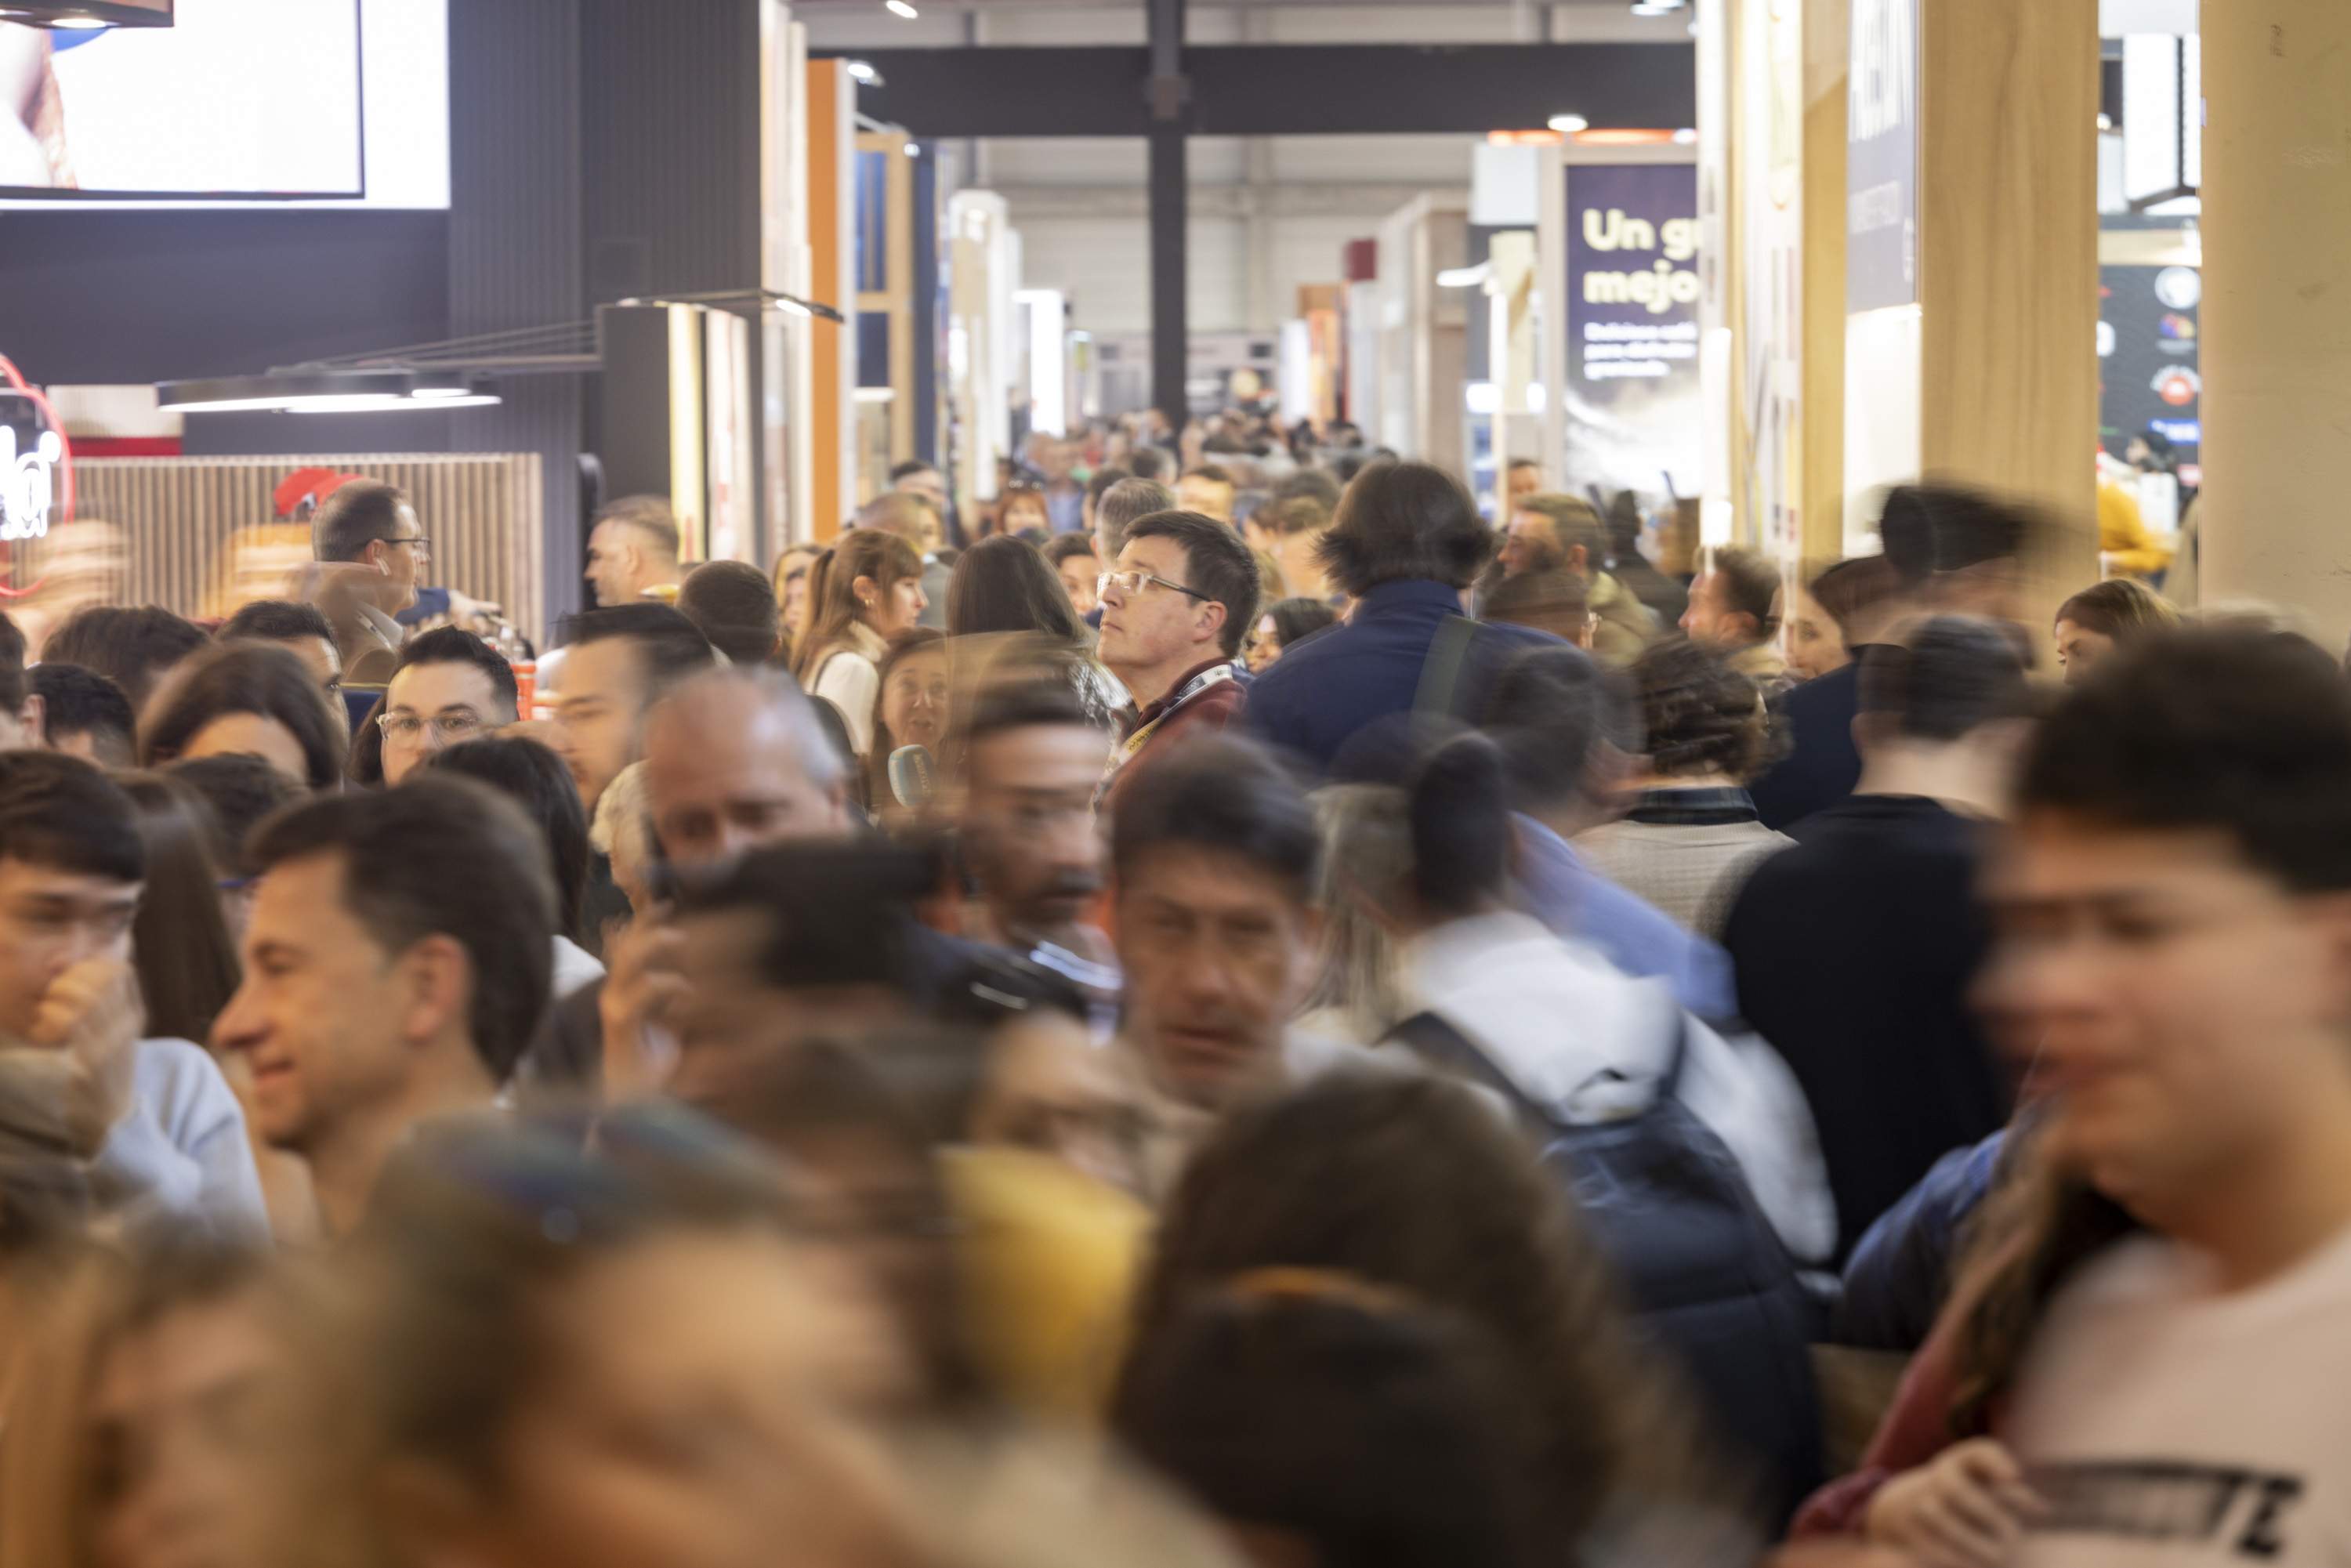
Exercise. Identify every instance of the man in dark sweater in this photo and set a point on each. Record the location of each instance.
(1854, 951)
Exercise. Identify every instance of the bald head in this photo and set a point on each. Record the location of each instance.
(736, 759)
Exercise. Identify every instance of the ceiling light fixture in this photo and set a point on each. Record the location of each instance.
(863, 71)
(327, 390)
(900, 9)
(1569, 124)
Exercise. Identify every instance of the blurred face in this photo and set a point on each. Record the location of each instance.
(1157, 626)
(929, 532)
(1266, 646)
(724, 775)
(1078, 574)
(2080, 650)
(2184, 1006)
(1218, 955)
(1026, 510)
(1815, 645)
(51, 920)
(320, 658)
(173, 1439)
(929, 484)
(323, 1015)
(894, 611)
(401, 556)
(251, 735)
(430, 707)
(1532, 545)
(1029, 825)
(704, 1445)
(1525, 479)
(792, 586)
(613, 565)
(1051, 1091)
(915, 698)
(599, 713)
(1195, 493)
(1710, 620)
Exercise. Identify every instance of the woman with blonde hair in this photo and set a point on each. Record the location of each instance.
(864, 593)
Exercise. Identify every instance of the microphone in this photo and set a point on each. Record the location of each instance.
(913, 778)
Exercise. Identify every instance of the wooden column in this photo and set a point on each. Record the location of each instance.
(1827, 45)
(2277, 306)
(2008, 245)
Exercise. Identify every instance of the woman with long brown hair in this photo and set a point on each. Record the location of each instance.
(180, 941)
(864, 593)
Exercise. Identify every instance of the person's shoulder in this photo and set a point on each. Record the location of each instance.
(177, 1079)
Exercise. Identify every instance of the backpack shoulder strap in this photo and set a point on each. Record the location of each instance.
(1440, 1045)
(1440, 673)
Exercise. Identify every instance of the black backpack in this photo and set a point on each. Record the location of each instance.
(1710, 1282)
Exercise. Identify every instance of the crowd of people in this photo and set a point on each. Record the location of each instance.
(1223, 1007)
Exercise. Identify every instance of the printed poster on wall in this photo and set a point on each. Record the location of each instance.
(1882, 157)
(1635, 411)
(2148, 374)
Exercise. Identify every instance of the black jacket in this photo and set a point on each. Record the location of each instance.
(1822, 764)
(1853, 953)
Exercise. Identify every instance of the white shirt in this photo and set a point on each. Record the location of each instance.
(2169, 1424)
(574, 967)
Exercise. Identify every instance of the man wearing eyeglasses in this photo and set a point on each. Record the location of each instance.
(1174, 611)
(450, 687)
(372, 552)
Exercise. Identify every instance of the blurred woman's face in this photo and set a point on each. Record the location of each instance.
(2079, 649)
(794, 608)
(1025, 512)
(1815, 645)
(914, 699)
(176, 1458)
(706, 1444)
(1266, 646)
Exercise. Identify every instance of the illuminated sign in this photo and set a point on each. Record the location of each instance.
(33, 472)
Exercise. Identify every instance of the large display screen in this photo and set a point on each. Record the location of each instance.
(265, 101)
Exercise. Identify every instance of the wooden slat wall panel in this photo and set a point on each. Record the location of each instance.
(175, 517)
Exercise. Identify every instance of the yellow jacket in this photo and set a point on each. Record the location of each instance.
(2122, 537)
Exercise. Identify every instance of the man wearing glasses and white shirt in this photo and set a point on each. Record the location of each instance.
(449, 687)
(1174, 608)
(372, 553)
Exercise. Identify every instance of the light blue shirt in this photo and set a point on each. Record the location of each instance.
(182, 1151)
(1578, 903)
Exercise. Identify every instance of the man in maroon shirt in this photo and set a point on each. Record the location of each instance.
(1174, 607)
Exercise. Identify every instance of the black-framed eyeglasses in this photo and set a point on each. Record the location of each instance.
(1130, 583)
(422, 542)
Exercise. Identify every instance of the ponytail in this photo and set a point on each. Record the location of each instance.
(1460, 828)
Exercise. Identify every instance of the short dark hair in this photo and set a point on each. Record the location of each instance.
(12, 668)
(1003, 584)
(1296, 514)
(649, 515)
(1220, 794)
(1295, 619)
(1518, 463)
(910, 467)
(1402, 522)
(1954, 674)
(1102, 479)
(133, 648)
(60, 812)
(1697, 714)
(1124, 504)
(1217, 563)
(1148, 462)
(1550, 710)
(733, 605)
(840, 912)
(1848, 588)
(353, 517)
(442, 856)
(261, 678)
(2227, 727)
(1753, 583)
(538, 781)
(455, 646)
(1551, 599)
(1312, 484)
(1459, 807)
(1573, 522)
(669, 647)
(1931, 528)
(276, 621)
(74, 701)
(1004, 705)
(1066, 546)
(1214, 472)
(243, 792)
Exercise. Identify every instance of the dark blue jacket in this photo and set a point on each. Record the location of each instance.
(1327, 687)
(1823, 764)
(1898, 1278)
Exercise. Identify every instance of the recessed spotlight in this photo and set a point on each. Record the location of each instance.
(1686, 137)
(900, 9)
(1569, 124)
(862, 70)
(79, 25)
(913, 149)
(2106, 122)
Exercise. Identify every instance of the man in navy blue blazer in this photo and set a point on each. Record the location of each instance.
(1406, 541)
